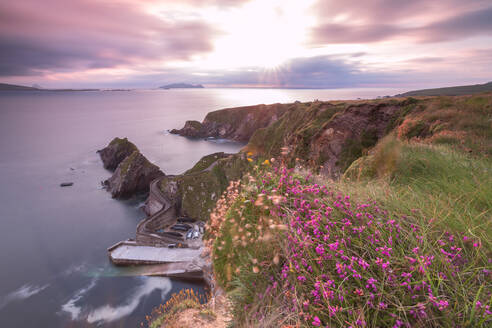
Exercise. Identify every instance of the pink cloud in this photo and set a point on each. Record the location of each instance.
(56, 34)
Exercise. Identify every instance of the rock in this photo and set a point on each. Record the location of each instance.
(191, 129)
(117, 150)
(66, 184)
(343, 138)
(236, 124)
(132, 175)
(195, 192)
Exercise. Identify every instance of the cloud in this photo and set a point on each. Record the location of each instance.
(327, 71)
(419, 20)
(56, 35)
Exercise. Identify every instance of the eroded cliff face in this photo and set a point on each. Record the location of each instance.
(327, 136)
(114, 153)
(236, 124)
(132, 175)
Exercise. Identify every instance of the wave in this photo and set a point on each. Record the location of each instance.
(70, 307)
(24, 292)
(108, 313)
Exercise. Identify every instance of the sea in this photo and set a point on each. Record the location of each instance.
(54, 266)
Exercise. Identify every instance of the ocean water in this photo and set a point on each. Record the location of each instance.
(54, 266)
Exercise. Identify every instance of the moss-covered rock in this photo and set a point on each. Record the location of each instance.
(191, 129)
(117, 150)
(132, 175)
(206, 162)
(195, 192)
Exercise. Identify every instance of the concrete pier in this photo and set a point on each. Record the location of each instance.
(133, 254)
(149, 253)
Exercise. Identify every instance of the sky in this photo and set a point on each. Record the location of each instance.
(246, 43)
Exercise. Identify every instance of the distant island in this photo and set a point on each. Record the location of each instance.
(181, 86)
(450, 91)
(13, 87)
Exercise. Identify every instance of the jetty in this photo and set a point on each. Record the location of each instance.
(130, 253)
(158, 248)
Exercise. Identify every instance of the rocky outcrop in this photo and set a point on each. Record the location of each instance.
(117, 150)
(195, 192)
(193, 129)
(343, 139)
(132, 175)
(328, 136)
(236, 124)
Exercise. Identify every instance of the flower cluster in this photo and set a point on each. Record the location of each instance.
(337, 262)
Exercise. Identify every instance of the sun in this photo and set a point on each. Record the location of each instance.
(261, 34)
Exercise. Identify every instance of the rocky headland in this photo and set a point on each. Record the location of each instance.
(328, 136)
(132, 175)
(132, 171)
(236, 124)
(114, 153)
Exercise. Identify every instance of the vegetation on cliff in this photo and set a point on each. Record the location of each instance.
(450, 91)
(298, 250)
(114, 153)
(403, 238)
(197, 190)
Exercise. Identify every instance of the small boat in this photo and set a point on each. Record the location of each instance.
(172, 234)
(66, 184)
(171, 245)
(186, 220)
(183, 225)
(179, 228)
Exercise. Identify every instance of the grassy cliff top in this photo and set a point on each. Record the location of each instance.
(450, 91)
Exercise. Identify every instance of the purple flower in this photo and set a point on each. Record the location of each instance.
(316, 322)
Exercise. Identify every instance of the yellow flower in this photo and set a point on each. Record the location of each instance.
(266, 162)
(249, 153)
(249, 159)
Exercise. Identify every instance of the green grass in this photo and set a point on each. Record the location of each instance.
(438, 189)
(451, 91)
(446, 185)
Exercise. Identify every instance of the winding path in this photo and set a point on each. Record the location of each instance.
(162, 219)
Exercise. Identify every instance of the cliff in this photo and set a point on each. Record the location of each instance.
(195, 192)
(392, 237)
(329, 136)
(236, 124)
(114, 153)
(131, 176)
(450, 91)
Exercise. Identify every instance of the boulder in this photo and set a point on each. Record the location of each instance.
(117, 150)
(132, 175)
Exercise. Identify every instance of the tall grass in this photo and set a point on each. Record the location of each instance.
(401, 245)
(448, 187)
